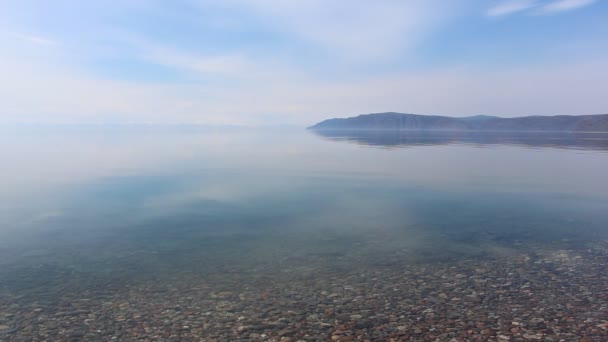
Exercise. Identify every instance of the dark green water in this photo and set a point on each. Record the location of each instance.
(146, 216)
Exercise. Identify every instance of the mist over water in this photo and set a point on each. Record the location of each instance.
(93, 214)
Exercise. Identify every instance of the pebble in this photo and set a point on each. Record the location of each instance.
(535, 297)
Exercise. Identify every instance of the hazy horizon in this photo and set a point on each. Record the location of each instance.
(239, 126)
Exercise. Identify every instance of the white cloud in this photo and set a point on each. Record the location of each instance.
(31, 38)
(565, 5)
(352, 30)
(198, 66)
(47, 93)
(507, 7)
(510, 7)
(219, 64)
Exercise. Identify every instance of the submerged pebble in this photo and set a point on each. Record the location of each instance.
(539, 296)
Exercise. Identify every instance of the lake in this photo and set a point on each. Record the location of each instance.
(198, 234)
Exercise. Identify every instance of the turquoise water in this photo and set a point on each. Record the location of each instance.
(135, 214)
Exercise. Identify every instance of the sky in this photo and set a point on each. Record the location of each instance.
(271, 62)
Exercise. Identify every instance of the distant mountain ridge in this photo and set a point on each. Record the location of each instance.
(416, 122)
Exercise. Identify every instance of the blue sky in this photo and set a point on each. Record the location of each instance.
(258, 62)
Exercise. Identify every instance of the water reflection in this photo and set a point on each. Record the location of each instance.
(396, 138)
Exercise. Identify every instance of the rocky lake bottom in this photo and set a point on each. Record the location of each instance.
(529, 294)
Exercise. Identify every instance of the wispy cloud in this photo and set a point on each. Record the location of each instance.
(565, 5)
(536, 6)
(510, 7)
(50, 94)
(203, 64)
(351, 30)
(35, 39)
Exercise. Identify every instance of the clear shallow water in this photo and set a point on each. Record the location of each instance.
(135, 233)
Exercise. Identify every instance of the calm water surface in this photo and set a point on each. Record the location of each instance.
(134, 234)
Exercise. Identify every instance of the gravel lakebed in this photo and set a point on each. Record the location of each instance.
(555, 295)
